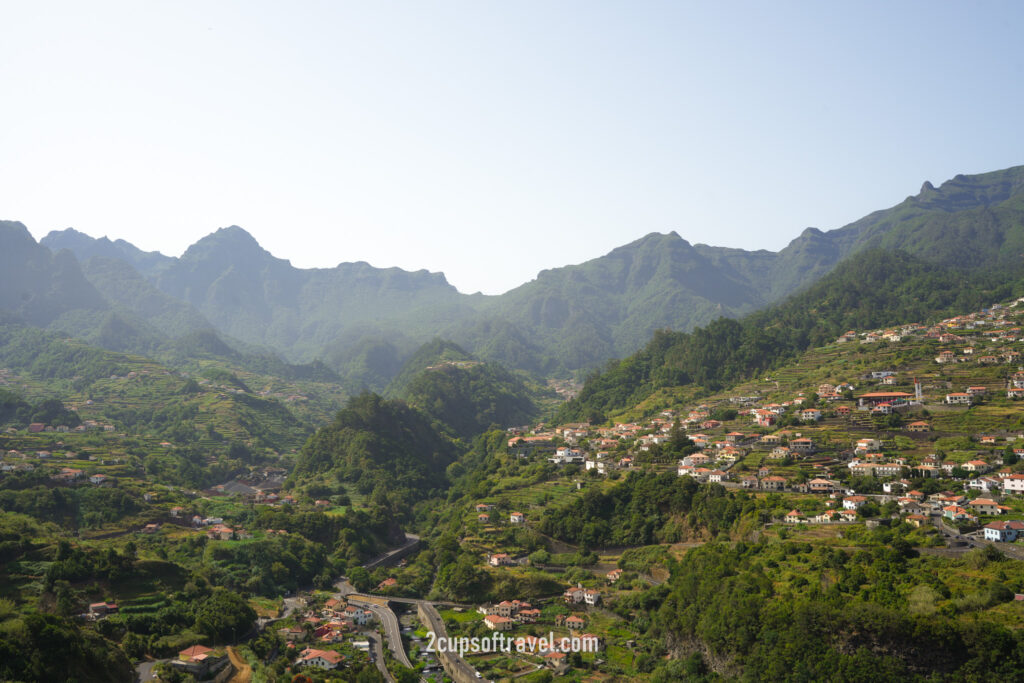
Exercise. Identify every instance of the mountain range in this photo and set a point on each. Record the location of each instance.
(363, 322)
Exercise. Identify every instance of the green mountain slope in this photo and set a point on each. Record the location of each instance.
(128, 291)
(581, 315)
(148, 263)
(968, 222)
(264, 300)
(872, 289)
(365, 320)
(140, 396)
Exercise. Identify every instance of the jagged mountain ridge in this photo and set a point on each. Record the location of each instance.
(41, 286)
(567, 319)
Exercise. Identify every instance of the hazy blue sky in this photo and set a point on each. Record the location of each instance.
(490, 140)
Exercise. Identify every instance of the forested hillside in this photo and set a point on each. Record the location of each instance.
(380, 447)
(872, 289)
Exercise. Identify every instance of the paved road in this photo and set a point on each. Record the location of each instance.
(411, 540)
(144, 671)
(389, 621)
(378, 656)
(436, 625)
(417, 601)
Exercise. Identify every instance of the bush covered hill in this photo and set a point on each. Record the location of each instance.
(462, 394)
(382, 447)
(434, 353)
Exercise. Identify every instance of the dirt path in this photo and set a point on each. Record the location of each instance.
(243, 672)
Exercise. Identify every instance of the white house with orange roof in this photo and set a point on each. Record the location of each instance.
(319, 659)
(1013, 483)
(496, 622)
(854, 502)
(1004, 531)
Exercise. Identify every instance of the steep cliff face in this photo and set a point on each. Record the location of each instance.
(38, 285)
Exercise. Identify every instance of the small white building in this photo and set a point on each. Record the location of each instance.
(854, 502)
(1004, 532)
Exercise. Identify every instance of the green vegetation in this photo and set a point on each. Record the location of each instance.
(470, 397)
(873, 289)
(645, 509)
(381, 447)
(794, 611)
(43, 647)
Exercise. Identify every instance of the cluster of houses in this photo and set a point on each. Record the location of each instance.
(995, 324)
(600, 440)
(915, 507)
(86, 426)
(14, 461)
(329, 625)
(976, 337)
(504, 615)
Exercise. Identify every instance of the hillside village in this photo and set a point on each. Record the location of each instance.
(880, 428)
(870, 432)
(913, 432)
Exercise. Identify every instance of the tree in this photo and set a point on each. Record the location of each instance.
(134, 645)
(224, 615)
(360, 578)
(65, 598)
(540, 557)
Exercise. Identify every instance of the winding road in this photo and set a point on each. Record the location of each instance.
(387, 618)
